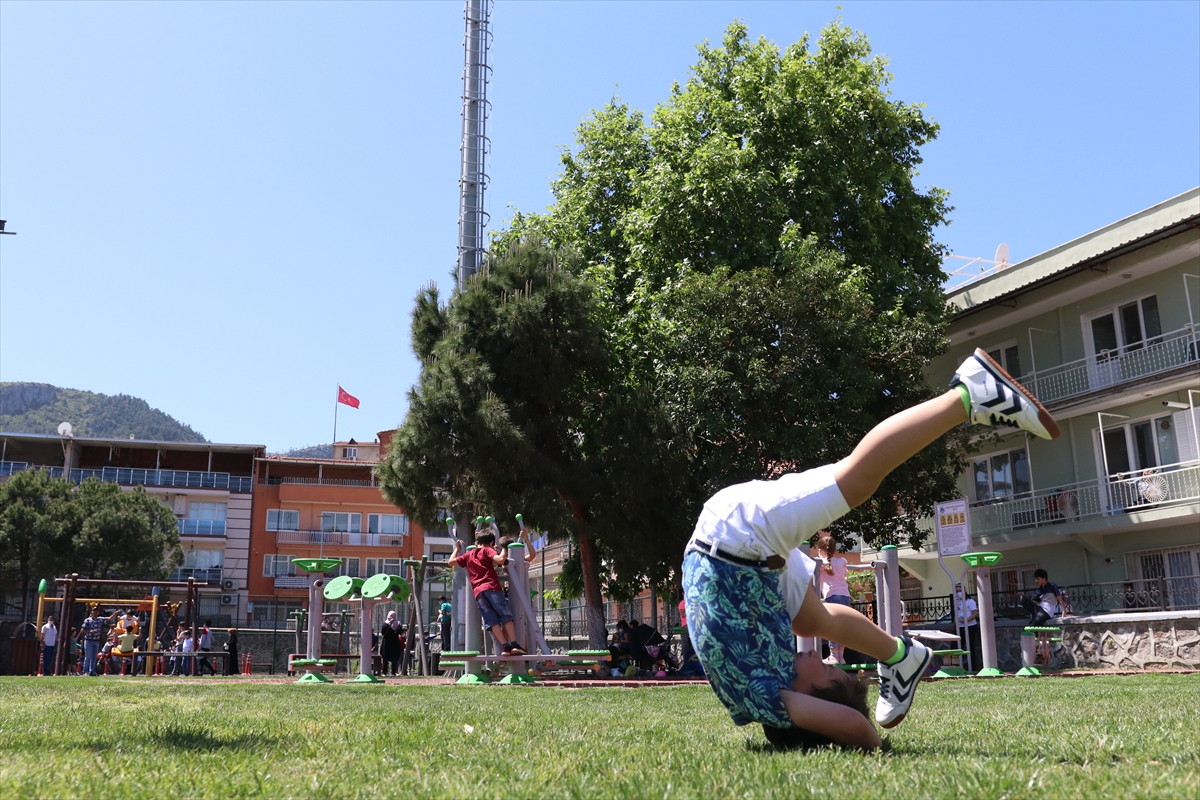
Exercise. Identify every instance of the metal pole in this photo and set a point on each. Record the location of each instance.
(473, 177)
(891, 560)
(987, 626)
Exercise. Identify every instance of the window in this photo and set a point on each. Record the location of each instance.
(341, 523)
(283, 519)
(350, 453)
(203, 559)
(1006, 355)
(1141, 445)
(387, 523)
(388, 566)
(1174, 571)
(276, 566)
(1002, 476)
(349, 566)
(1116, 332)
(1012, 580)
(213, 512)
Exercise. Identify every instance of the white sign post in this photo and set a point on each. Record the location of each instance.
(952, 522)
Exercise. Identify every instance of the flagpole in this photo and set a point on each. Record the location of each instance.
(333, 447)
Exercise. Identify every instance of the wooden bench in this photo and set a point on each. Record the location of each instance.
(573, 659)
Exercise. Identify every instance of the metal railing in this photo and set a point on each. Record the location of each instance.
(279, 481)
(340, 538)
(202, 527)
(209, 576)
(1113, 367)
(1119, 493)
(187, 479)
(1112, 597)
(291, 581)
(13, 467)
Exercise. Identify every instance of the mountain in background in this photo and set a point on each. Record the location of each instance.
(41, 408)
(312, 451)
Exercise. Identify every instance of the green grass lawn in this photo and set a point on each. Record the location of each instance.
(1101, 737)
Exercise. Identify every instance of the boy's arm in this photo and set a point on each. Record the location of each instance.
(455, 553)
(501, 558)
(840, 723)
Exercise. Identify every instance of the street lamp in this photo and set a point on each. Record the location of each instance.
(10, 233)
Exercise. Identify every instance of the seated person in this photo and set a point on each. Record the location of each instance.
(619, 645)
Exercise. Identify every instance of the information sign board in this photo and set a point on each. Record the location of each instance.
(952, 520)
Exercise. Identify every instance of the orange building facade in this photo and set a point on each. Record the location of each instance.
(332, 508)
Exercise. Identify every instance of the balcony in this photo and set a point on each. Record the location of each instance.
(372, 483)
(13, 467)
(184, 479)
(340, 538)
(202, 527)
(1122, 493)
(208, 576)
(291, 581)
(1112, 368)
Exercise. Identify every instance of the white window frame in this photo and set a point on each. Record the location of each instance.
(1104, 368)
(344, 568)
(1003, 348)
(219, 510)
(276, 513)
(350, 453)
(353, 522)
(375, 524)
(1020, 571)
(386, 565)
(1131, 443)
(271, 563)
(987, 457)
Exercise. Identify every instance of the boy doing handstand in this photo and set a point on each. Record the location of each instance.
(481, 563)
(749, 590)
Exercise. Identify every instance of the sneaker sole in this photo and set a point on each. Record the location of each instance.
(1043, 415)
(921, 672)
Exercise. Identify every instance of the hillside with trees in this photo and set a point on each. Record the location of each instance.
(41, 408)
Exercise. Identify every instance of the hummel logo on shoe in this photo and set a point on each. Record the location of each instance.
(997, 399)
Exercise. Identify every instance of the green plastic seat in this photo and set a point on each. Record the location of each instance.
(982, 559)
(383, 585)
(459, 653)
(950, 652)
(455, 664)
(585, 653)
(342, 587)
(857, 667)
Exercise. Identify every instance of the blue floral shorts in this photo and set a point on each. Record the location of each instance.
(740, 628)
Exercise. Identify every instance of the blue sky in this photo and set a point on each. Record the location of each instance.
(227, 208)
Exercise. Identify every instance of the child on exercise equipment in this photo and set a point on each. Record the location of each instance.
(481, 564)
(749, 590)
(835, 585)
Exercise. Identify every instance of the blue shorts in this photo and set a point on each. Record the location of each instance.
(493, 607)
(740, 627)
(839, 599)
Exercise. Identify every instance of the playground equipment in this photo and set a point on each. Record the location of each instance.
(70, 586)
(982, 563)
(1037, 648)
(370, 593)
(313, 663)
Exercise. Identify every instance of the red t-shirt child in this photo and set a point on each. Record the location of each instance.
(481, 570)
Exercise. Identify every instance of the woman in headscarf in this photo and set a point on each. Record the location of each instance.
(390, 647)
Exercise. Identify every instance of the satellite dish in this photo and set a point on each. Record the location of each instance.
(1002, 256)
(64, 429)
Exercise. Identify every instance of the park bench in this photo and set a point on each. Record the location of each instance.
(573, 659)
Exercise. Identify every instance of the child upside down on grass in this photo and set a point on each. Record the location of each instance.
(749, 590)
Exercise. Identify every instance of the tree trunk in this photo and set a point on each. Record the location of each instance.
(589, 561)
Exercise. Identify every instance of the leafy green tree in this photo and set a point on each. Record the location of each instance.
(31, 511)
(119, 533)
(766, 264)
(517, 409)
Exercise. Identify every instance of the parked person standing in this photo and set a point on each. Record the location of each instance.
(205, 647)
(445, 617)
(93, 636)
(189, 646)
(231, 647)
(49, 641)
(390, 647)
(967, 613)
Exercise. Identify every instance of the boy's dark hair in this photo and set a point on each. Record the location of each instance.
(485, 537)
(1041, 573)
(505, 541)
(851, 692)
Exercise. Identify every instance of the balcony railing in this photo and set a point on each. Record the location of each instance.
(209, 576)
(1114, 367)
(202, 527)
(291, 581)
(1148, 594)
(340, 538)
(185, 479)
(279, 481)
(1120, 493)
(13, 467)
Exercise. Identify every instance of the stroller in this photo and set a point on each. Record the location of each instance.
(650, 651)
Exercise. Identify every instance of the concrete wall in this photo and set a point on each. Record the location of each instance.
(1114, 641)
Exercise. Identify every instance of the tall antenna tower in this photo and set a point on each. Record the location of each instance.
(473, 180)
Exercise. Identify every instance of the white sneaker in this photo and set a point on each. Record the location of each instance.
(898, 683)
(997, 399)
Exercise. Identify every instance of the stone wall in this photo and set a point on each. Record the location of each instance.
(1164, 640)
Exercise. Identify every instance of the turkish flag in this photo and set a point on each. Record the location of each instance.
(346, 398)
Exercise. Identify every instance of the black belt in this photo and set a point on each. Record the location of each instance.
(708, 548)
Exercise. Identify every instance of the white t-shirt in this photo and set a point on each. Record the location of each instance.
(49, 635)
(965, 615)
(189, 645)
(764, 518)
(205, 639)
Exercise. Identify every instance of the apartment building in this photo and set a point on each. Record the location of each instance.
(207, 486)
(328, 507)
(1103, 330)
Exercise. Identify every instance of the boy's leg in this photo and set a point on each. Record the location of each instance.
(892, 442)
(844, 625)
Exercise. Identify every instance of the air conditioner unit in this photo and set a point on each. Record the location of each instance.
(180, 505)
(229, 599)
(229, 585)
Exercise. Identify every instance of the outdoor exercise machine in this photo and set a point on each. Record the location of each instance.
(70, 588)
(1037, 643)
(369, 593)
(313, 663)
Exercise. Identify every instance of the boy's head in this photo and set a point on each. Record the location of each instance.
(848, 691)
(505, 541)
(1040, 576)
(485, 538)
